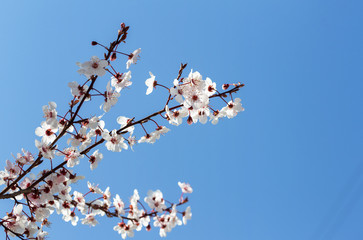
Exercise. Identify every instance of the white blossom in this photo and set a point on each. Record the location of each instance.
(150, 83)
(71, 155)
(94, 67)
(133, 58)
(50, 114)
(187, 215)
(95, 158)
(44, 149)
(111, 98)
(185, 187)
(121, 81)
(176, 117)
(233, 108)
(71, 217)
(94, 188)
(114, 142)
(90, 220)
(155, 200)
(78, 91)
(119, 205)
(124, 121)
(125, 230)
(47, 132)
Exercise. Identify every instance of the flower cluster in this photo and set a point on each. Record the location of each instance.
(194, 94)
(50, 191)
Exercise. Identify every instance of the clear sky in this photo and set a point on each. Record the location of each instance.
(289, 167)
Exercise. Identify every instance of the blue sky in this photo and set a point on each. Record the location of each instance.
(289, 167)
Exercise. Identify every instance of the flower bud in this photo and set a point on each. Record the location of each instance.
(225, 86)
(113, 56)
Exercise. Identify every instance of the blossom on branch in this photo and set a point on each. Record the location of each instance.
(111, 98)
(233, 108)
(185, 187)
(150, 83)
(115, 142)
(121, 81)
(47, 132)
(44, 149)
(133, 58)
(36, 197)
(95, 158)
(94, 67)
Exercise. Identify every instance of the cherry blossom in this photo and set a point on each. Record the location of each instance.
(81, 138)
(95, 158)
(210, 87)
(233, 108)
(45, 150)
(94, 188)
(119, 205)
(95, 122)
(200, 114)
(62, 124)
(50, 114)
(214, 118)
(155, 200)
(71, 155)
(115, 142)
(71, 217)
(133, 58)
(96, 129)
(176, 117)
(24, 159)
(148, 138)
(152, 137)
(185, 187)
(121, 81)
(124, 121)
(177, 91)
(125, 230)
(187, 215)
(131, 141)
(167, 222)
(78, 91)
(90, 220)
(47, 132)
(94, 67)
(150, 83)
(194, 91)
(106, 196)
(11, 169)
(111, 98)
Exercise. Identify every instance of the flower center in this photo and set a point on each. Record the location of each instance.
(48, 132)
(95, 65)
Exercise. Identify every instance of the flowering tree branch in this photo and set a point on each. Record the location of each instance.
(35, 199)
